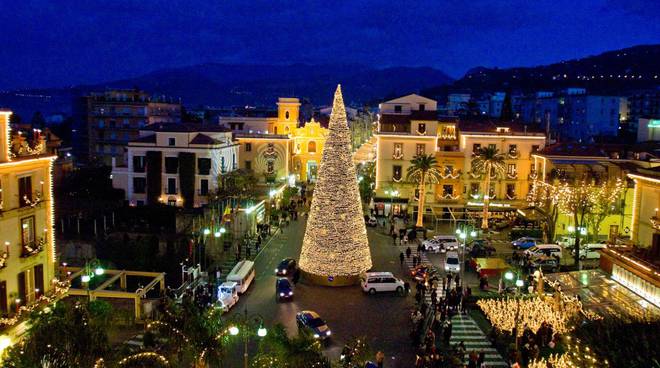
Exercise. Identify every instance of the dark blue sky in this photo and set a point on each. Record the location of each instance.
(60, 42)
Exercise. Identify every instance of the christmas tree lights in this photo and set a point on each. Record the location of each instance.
(335, 243)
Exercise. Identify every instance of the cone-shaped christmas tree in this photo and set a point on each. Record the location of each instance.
(335, 249)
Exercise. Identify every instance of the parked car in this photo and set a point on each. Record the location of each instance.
(286, 267)
(547, 264)
(371, 221)
(590, 251)
(481, 248)
(311, 322)
(373, 282)
(452, 263)
(549, 250)
(433, 245)
(423, 272)
(566, 241)
(524, 243)
(283, 289)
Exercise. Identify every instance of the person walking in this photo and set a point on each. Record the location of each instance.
(394, 238)
(408, 252)
(446, 330)
(401, 258)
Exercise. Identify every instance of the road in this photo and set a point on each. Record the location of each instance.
(349, 312)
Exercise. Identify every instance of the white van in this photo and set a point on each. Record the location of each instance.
(550, 250)
(452, 263)
(242, 274)
(373, 282)
(591, 251)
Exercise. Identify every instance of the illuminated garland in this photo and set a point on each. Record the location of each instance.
(335, 242)
(513, 175)
(576, 356)
(60, 289)
(455, 174)
(145, 356)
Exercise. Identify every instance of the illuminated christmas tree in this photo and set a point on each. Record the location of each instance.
(335, 249)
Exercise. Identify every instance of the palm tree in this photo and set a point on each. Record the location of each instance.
(489, 162)
(422, 171)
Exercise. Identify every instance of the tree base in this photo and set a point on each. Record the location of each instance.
(332, 281)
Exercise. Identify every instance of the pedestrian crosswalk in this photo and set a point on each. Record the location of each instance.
(465, 329)
(409, 264)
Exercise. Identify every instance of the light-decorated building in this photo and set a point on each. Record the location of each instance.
(27, 257)
(410, 125)
(175, 164)
(275, 145)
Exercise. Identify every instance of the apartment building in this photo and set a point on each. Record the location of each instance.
(409, 126)
(27, 257)
(175, 164)
(114, 118)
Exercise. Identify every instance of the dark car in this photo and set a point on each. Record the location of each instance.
(313, 323)
(283, 289)
(481, 248)
(423, 272)
(286, 267)
(547, 264)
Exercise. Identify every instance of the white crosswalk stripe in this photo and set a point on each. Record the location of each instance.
(466, 330)
(408, 261)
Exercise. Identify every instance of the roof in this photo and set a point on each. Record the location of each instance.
(491, 125)
(202, 138)
(261, 135)
(146, 139)
(574, 149)
(184, 128)
(395, 100)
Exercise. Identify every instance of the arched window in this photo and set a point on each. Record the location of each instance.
(311, 147)
(275, 130)
(286, 115)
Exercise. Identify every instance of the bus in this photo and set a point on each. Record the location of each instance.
(242, 274)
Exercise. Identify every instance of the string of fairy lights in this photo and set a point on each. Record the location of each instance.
(576, 356)
(335, 242)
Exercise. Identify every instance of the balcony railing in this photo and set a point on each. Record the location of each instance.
(21, 147)
(33, 248)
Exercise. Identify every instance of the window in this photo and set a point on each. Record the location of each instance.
(513, 149)
(510, 191)
(275, 130)
(171, 186)
(449, 169)
(474, 188)
(420, 149)
(171, 165)
(139, 185)
(396, 172)
(286, 115)
(535, 148)
(476, 148)
(27, 231)
(447, 190)
(248, 165)
(204, 187)
(38, 280)
(511, 169)
(421, 128)
(492, 146)
(25, 191)
(398, 151)
(397, 109)
(311, 147)
(138, 164)
(101, 123)
(171, 141)
(203, 166)
(3, 298)
(422, 107)
(248, 147)
(222, 164)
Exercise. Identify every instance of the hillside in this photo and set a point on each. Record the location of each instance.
(236, 85)
(610, 72)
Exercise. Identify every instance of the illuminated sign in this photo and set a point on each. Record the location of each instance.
(654, 123)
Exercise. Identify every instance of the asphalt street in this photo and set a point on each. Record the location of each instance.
(348, 311)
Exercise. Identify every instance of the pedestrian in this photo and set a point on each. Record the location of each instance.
(394, 238)
(419, 248)
(458, 280)
(380, 359)
(446, 329)
(434, 297)
(405, 239)
(401, 258)
(406, 287)
(408, 252)
(481, 360)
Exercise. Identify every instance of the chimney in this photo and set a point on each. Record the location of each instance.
(5, 136)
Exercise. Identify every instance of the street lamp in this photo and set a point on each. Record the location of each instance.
(392, 193)
(463, 235)
(247, 323)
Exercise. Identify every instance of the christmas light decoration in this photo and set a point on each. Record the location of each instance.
(335, 247)
(146, 356)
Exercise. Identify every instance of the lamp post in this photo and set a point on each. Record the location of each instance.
(392, 193)
(247, 324)
(463, 235)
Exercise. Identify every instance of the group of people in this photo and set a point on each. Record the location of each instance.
(530, 344)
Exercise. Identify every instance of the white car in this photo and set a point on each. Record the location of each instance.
(566, 241)
(373, 282)
(448, 241)
(591, 251)
(432, 245)
(452, 262)
(227, 295)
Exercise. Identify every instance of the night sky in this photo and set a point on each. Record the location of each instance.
(62, 42)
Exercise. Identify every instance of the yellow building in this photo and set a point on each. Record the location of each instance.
(409, 126)
(27, 258)
(274, 147)
(645, 227)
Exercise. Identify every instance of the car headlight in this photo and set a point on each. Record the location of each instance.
(284, 272)
(281, 294)
(328, 333)
(277, 270)
(290, 293)
(458, 268)
(316, 336)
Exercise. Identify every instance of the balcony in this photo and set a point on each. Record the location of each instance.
(33, 248)
(21, 147)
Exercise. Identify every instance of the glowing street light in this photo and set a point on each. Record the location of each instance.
(520, 283)
(261, 332)
(233, 330)
(207, 231)
(99, 271)
(85, 278)
(508, 275)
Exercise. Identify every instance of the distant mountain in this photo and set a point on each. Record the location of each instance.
(610, 72)
(237, 85)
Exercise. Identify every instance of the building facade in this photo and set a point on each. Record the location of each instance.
(175, 164)
(410, 126)
(27, 258)
(114, 118)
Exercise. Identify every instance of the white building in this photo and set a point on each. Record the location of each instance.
(175, 164)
